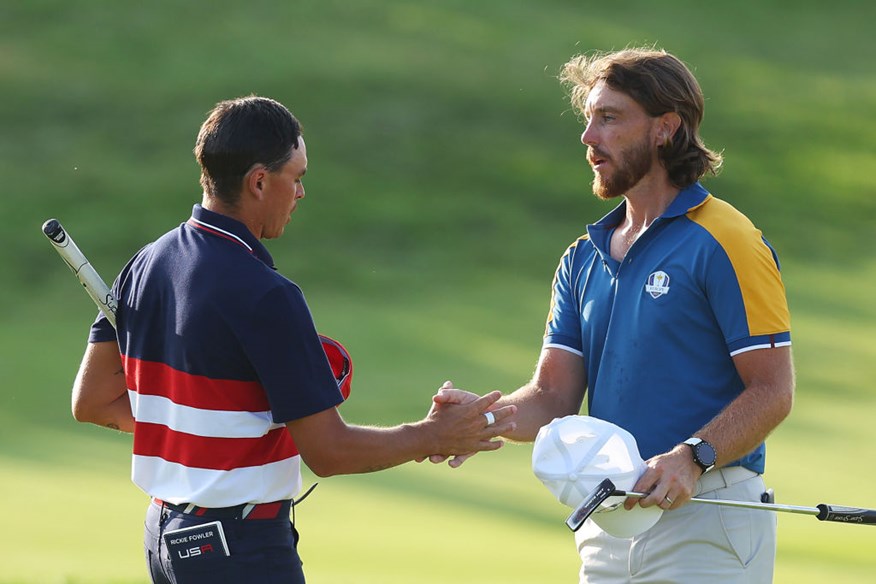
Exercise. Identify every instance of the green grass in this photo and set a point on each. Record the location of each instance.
(445, 180)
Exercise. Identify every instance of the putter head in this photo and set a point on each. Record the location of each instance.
(591, 503)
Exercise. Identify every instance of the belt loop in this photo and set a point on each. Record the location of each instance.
(724, 478)
(247, 509)
(720, 478)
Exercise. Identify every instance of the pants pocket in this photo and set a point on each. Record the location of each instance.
(737, 529)
(750, 533)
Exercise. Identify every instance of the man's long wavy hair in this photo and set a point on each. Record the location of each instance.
(660, 83)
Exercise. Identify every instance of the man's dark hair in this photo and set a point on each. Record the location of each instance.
(660, 83)
(238, 134)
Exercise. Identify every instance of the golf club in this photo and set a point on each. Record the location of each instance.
(81, 268)
(822, 512)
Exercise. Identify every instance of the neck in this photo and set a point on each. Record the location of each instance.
(645, 202)
(234, 211)
(648, 200)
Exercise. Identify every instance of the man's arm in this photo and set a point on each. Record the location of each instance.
(100, 393)
(768, 376)
(330, 446)
(557, 389)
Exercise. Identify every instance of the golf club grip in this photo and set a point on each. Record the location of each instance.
(846, 514)
(81, 268)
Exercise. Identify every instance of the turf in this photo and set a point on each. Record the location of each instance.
(446, 178)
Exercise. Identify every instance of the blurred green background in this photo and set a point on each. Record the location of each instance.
(445, 180)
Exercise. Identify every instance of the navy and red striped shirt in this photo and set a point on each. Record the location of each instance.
(219, 351)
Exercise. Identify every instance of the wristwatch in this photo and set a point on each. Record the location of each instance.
(703, 453)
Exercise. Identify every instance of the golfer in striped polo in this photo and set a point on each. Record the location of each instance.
(217, 369)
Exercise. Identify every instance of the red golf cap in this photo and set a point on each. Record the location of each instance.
(341, 363)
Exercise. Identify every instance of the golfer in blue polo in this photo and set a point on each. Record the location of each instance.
(669, 315)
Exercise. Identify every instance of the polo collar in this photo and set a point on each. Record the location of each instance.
(687, 199)
(234, 231)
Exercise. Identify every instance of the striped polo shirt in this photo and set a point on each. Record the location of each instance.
(658, 330)
(219, 351)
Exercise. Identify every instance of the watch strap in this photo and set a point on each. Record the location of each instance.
(695, 446)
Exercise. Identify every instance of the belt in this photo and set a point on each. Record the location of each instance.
(245, 511)
(723, 477)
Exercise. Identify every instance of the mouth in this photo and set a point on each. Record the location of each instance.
(596, 160)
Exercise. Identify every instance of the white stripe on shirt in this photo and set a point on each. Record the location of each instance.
(175, 483)
(156, 409)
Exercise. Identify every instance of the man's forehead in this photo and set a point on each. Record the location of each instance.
(301, 150)
(299, 155)
(603, 97)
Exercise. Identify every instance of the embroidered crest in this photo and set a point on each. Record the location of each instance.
(658, 284)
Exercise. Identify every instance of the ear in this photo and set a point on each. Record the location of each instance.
(667, 125)
(254, 181)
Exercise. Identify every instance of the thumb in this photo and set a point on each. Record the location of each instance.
(440, 398)
(452, 395)
(444, 396)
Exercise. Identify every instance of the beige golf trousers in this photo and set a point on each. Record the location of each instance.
(695, 544)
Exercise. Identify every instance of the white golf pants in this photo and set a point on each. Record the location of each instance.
(694, 544)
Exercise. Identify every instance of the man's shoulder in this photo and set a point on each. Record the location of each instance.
(581, 243)
(726, 224)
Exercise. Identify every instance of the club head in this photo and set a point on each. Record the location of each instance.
(591, 503)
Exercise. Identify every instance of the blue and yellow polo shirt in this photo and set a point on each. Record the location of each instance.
(658, 330)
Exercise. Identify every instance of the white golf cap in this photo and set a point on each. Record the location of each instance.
(572, 455)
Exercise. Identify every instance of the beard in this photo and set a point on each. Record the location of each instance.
(632, 164)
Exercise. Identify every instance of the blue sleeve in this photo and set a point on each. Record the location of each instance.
(101, 329)
(281, 342)
(563, 326)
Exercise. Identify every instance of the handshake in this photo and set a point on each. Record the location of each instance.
(464, 424)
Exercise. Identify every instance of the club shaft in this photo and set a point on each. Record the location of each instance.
(742, 504)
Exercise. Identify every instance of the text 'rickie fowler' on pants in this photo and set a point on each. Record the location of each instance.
(261, 550)
(694, 544)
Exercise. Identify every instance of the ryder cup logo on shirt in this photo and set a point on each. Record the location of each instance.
(658, 284)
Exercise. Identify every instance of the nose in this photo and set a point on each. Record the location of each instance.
(300, 191)
(588, 137)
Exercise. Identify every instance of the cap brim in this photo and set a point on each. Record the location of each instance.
(622, 523)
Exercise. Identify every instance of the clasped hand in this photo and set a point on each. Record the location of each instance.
(489, 421)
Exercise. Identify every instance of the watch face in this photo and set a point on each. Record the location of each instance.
(705, 453)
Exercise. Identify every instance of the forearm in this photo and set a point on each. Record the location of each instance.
(768, 376)
(537, 406)
(556, 390)
(747, 421)
(330, 446)
(100, 393)
(115, 415)
(361, 449)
